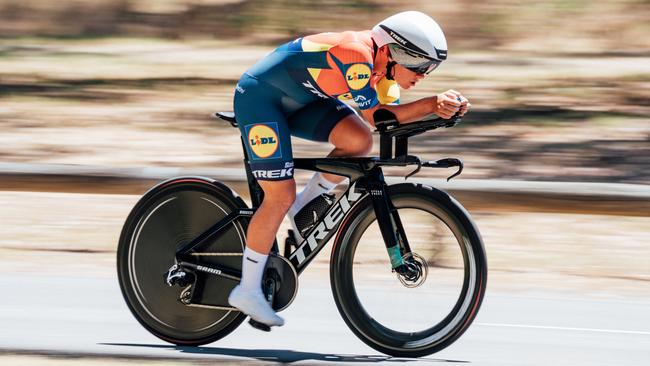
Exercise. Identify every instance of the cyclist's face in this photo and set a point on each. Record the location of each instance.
(405, 77)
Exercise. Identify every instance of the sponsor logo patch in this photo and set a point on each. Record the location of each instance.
(273, 174)
(358, 76)
(362, 101)
(263, 140)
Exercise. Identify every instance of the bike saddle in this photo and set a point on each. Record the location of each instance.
(227, 116)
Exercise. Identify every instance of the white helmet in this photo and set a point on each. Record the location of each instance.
(414, 39)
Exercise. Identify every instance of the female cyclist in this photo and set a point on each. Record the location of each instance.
(299, 90)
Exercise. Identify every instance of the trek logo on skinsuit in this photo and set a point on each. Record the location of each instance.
(273, 174)
(357, 76)
(263, 140)
(313, 90)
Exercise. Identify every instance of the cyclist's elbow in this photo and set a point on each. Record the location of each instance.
(368, 114)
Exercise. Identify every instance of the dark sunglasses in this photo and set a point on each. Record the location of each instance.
(425, 69)
(418, 63)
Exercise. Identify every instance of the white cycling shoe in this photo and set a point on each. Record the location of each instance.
(253, 304)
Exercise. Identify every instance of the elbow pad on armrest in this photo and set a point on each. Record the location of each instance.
(384, 118)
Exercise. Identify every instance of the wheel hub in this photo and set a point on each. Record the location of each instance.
(414, 271)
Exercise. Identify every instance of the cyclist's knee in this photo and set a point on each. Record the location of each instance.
(364, 146)
(280, 194)
(352, 136)
(358, 144)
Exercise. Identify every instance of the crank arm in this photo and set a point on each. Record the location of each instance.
(213, 307)
(446, 163)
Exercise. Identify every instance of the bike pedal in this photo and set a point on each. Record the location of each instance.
(257, 325)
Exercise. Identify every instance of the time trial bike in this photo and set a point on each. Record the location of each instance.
(180, 252)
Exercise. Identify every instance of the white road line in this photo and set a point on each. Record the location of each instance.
(565, 328)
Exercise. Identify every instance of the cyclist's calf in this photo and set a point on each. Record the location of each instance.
(279, 194)
(278, 197)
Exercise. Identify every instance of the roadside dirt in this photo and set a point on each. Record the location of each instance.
(51, 233)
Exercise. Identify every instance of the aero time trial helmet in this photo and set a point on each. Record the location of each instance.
(415, 41)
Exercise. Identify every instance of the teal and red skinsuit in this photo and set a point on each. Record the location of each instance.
(299, 90)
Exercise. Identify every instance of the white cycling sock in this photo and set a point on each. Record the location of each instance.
(316, 186)
(252, 270)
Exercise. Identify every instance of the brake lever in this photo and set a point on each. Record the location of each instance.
(414, 171)
(449, 162)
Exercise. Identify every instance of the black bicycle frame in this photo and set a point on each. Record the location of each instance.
(365, 177)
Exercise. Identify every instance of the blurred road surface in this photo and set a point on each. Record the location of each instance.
(72, 316)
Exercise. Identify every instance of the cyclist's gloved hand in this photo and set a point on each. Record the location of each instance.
(447, 104)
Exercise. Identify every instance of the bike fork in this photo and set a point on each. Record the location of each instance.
(388, 219)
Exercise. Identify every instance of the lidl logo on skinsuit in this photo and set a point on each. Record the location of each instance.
(263, 140)
(357, 76)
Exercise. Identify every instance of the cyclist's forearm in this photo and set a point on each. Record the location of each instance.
(413, 111)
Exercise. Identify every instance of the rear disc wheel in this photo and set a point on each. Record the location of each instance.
(167, 217)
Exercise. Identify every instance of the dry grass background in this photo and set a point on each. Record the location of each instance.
(594, 255)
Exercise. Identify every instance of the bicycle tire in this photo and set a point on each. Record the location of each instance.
(166, 217)
(448, 329)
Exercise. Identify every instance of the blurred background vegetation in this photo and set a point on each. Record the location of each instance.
(561, 89)
(554, 26)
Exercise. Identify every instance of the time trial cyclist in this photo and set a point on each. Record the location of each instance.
(299, 89)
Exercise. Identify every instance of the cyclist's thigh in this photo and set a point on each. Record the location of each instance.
(265, 130)
(316, 120)
(352, 135)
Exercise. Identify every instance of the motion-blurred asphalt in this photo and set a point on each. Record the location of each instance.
(86, 317)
